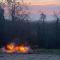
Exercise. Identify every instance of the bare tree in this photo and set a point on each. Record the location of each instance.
(22, 12)
(1, 25)
(41, 29)
(19, 11)
(57, 18)
(42, 17)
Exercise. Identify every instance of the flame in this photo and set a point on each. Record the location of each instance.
(11, 48)
(23, 49)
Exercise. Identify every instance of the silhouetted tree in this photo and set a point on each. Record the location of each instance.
(1, 25)
(57, 30)
(41, 30)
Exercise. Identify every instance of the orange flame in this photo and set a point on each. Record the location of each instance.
(11, 48)
(23, 49)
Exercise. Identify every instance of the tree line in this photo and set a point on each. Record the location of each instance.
(38, 34)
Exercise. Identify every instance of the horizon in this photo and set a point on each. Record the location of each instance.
(48, 7)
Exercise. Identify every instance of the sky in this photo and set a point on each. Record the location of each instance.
(48, 7)
(43, 2)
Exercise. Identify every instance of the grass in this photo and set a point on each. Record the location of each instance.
(48, 51)
(43, 51)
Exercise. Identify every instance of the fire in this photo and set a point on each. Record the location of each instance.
(23, 49)
(11, 48)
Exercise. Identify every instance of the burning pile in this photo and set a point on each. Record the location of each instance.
(11, 48)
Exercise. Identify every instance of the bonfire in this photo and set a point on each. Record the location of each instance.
(11, 48)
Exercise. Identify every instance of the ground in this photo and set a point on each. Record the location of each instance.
(42, 56)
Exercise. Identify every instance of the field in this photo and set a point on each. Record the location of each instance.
(42, 56)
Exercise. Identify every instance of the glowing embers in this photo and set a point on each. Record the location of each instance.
(11, 48)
